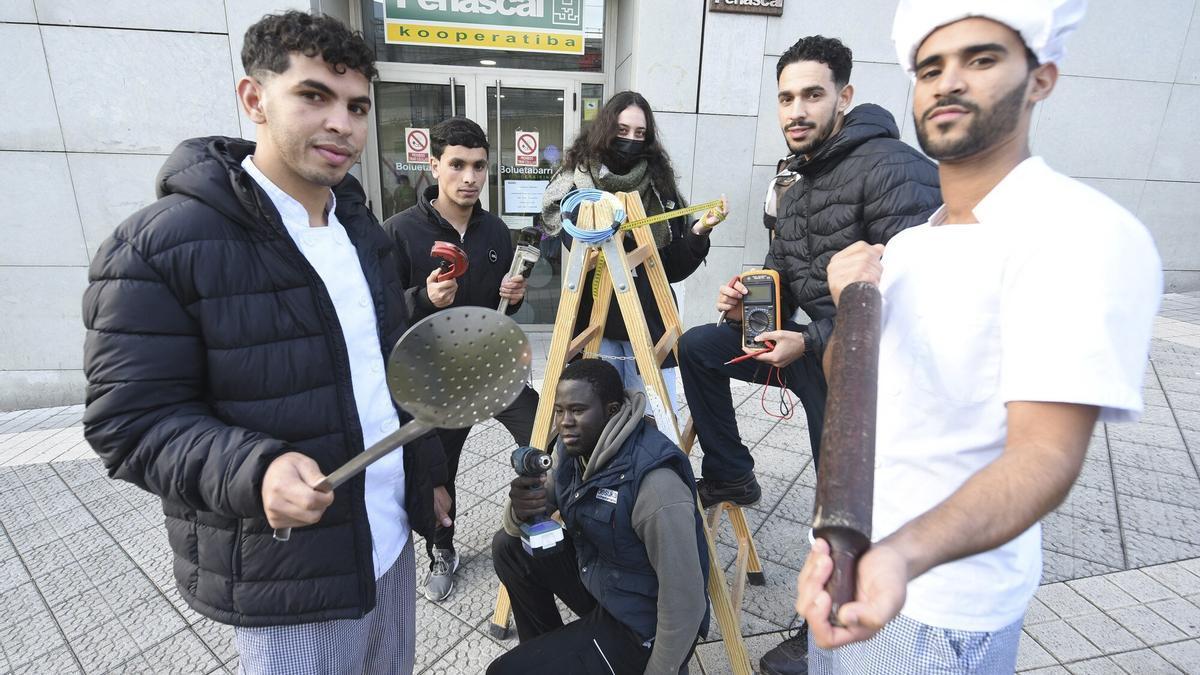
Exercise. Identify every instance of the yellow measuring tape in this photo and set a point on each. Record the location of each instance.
(650, 220)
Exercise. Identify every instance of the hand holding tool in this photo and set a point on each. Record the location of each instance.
(769, 346)
(450, 370)
(525, 256)
(453, 260)
(846, 481)
(541, 534)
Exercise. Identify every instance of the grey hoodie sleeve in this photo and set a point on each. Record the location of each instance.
(664, 519)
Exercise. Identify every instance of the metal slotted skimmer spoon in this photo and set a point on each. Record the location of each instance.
(451, 370)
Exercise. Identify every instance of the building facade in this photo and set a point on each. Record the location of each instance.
(97, 94)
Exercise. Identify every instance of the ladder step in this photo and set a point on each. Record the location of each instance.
(581, 341)
(666, 344)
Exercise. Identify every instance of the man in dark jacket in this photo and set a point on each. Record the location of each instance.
(450, 211)
(848, 178)
(237, 334)
(634, 563)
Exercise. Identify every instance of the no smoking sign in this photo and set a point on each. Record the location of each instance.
(527, 148)
(416, 145)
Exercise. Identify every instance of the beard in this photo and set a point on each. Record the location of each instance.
(297, 154)
(985, 130)
(820, 134)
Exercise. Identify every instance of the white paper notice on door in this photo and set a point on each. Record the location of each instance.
(524, 196)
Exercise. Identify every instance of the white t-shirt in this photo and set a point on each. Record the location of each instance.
(334, 258)
(1049, 297)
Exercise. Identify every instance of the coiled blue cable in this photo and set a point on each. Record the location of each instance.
(571, 203)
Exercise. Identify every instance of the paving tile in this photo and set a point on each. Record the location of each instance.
(32, 536)
(1182, 614)
(59, 661)
(48, 558)
(1146, 549)
(1148, 626)
(1031, 655)
(13, 574)
(773, 490)
(217, 636)
(82, 613)
(1064, 601)
(1038, 612)
(777, 462)
(1102, 593)
(1100, 666)
(1090, 503)
(783, 541)
(470, 655)
(29, 637)
(151, 622)
(1165, 460)
(775, 602)
(66, 582)
(434, 620)
(1141, 586)
(107, 563)
(97, 490)
(1163, 487)
(1060, 568)
(17, 603)
(1144, 661)
(797, 503)
(1085, 539)
(1175, 577)
(72, 521)
(1105, 633)
(127, 590)
(16, 517)
(1062, 641)
(57, 503)
(181, 653)
(103, 648)
(1183, 655)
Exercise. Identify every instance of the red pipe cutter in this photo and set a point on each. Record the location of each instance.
(453, 260)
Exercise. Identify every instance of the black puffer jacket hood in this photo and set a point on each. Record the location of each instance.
(213, 347)
(863, 184)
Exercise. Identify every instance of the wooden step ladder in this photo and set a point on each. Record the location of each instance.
(564, 346)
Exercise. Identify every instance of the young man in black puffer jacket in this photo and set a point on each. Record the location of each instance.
(450, 212)
(848, 178)
(237, 334)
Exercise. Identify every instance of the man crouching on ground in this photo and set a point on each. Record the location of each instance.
(634, 564)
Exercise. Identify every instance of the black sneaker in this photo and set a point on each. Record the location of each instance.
(743, 491)
(789, 657)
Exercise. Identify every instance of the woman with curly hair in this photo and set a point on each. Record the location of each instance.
(620, 152)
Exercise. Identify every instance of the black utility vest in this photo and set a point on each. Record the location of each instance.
(598, 513)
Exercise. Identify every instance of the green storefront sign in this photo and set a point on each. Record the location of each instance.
(521, 25)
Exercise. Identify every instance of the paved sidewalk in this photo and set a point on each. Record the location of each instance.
(86, 585)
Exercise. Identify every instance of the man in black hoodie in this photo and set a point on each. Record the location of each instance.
(848, 178)
(450, 211)
(237, 333)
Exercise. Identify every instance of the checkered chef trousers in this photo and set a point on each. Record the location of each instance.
(906, 646)
(380, 643)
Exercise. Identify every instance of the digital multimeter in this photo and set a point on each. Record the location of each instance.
(760, 305)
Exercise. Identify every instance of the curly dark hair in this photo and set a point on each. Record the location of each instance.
(603, 377)
(821, 49)
(269, 42)
(592, 146)
(457, 131)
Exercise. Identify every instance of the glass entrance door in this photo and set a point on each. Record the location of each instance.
(529, 125)
(404, 111)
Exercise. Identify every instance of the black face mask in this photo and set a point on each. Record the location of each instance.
(625, 153)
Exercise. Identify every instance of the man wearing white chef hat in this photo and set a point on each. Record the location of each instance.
(1013, 320)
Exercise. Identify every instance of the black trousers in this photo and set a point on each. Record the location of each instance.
(517, 418)
(703, 351)
(594, 644)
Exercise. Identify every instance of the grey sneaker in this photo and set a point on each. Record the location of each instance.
(439, 583)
